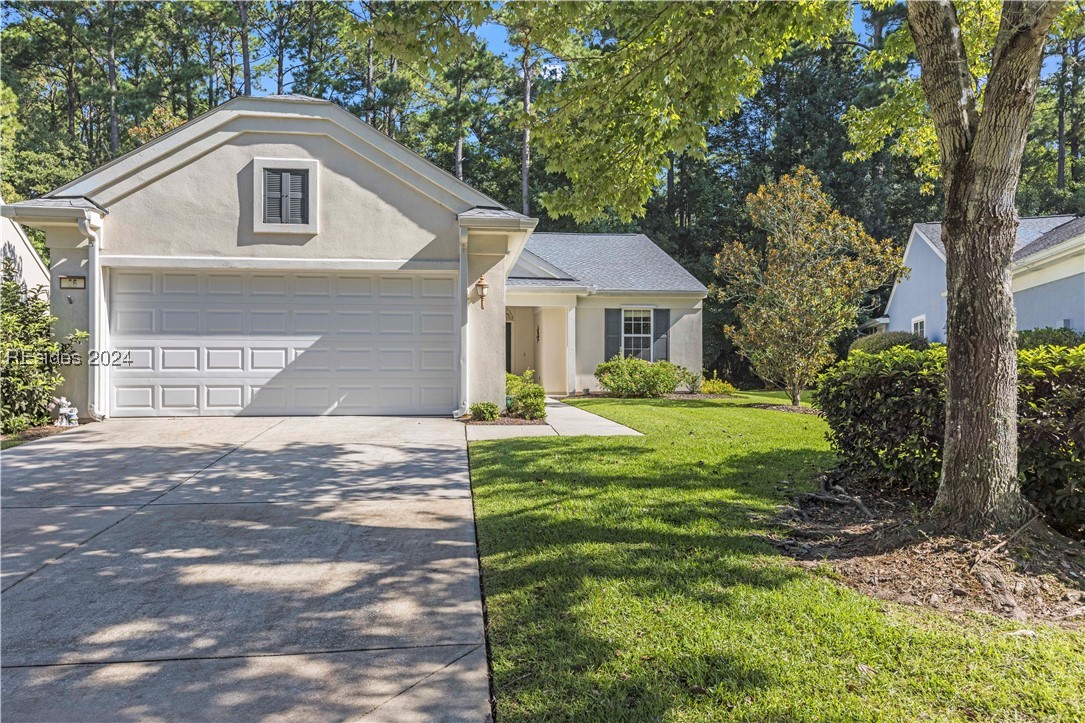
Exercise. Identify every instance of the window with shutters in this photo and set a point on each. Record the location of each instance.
(285, 196)
(637, 333)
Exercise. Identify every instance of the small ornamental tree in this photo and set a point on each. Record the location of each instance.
(796, 296)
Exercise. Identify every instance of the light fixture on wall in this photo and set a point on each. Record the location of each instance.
(483, 289)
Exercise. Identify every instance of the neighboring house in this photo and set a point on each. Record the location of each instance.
(278, 256)
(1048, 279)
(30, 270)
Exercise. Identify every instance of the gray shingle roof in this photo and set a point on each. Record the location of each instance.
(1056, 236)
(61, 202)
(484, 212)
(614, 262)
(552, 283)
(1029, 229)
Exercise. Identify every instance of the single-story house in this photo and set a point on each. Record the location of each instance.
(1048, 279)
(278, 256)
(30, 270)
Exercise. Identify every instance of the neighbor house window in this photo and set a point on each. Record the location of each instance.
(637, 333)
(286, 196)
(919, 326)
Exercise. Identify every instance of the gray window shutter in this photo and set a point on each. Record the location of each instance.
(297, 203)
(273, 195)
(661, 335)
(612, 344)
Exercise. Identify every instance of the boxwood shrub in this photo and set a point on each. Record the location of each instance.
(527, 399)
(631, 377)
(886, 415)
(879, 342)
(1049, 335)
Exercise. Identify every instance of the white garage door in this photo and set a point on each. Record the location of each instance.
(227, 343)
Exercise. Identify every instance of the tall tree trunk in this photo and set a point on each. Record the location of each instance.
(981, 165)
(670, 183)
(525, 155)
(246, 61)
(393, 66)
(70, 82)
(369, 100)
(1077, 111)
(111, 69)
(459, 128)
(1060, 110)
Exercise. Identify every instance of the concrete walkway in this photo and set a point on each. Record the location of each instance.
(242, 569)
(562, 420)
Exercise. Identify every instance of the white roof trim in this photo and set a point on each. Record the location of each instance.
(531, 265)
(935, 249)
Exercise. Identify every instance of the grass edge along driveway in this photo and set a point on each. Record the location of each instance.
(626, 579)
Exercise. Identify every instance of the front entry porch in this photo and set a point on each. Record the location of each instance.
(543, 338)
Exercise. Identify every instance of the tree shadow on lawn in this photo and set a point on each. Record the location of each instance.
(562, 540)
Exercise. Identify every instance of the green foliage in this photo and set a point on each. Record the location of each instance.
(29, 368)
(715, 385)
(875, 343)
(691, 380)
(886, 414)
(806, 287)
(632, 377)
(528, 398)
(485, 411)
(1049, 336)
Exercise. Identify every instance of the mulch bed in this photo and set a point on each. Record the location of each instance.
(505, 421)
(869, 537)
(787, 408)
(700, 396)
(37, 433)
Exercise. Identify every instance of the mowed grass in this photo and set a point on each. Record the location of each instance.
(626, 579)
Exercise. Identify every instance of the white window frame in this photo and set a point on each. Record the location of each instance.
(259, 165)
(922, 319)
(651, 330)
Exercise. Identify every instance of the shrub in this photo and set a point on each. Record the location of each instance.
(1049, 336)
(879, 342)
(528, 399)
(692, 380)
(30, 363)
(631, 377)
(886, 416)
(485, 411)
(715, 385)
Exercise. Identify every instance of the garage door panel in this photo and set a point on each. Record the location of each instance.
(214, 343)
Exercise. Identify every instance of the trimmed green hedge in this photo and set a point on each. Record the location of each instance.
(485, 411)
(1048, 336)
(879, 342)
(632, 377)
(527, 398)
(886, 415)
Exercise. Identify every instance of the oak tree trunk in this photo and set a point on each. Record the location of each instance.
(981, 165)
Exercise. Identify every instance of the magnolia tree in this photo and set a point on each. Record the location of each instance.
(797, 295)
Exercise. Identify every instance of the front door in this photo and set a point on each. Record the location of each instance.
(508, 347)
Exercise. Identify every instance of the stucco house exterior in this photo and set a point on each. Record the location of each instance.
(30, 270)
(1048, 279)
(278, 256)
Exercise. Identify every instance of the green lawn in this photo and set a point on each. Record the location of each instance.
(625, 579)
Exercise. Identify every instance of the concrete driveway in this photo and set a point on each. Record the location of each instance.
(214, 569)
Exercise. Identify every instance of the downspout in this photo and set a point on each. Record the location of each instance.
(91, 227)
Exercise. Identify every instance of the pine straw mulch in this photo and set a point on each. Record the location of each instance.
(873, 540)
(787, 408)
(30, 435)
(504, 420)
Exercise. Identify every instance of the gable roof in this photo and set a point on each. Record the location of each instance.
(607, 262)
(1029, 230)
(216, 127)
(1065, 232)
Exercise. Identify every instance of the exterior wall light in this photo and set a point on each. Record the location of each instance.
(483, 289)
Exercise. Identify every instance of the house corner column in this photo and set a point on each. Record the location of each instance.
(570, 350)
